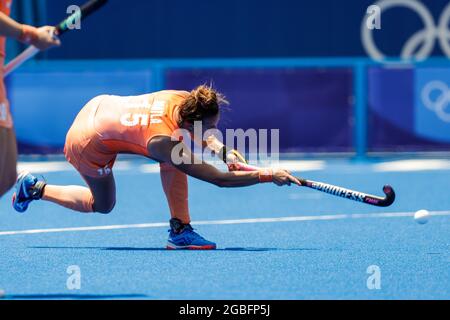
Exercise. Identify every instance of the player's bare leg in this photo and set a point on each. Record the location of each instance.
(99, 196)
(8, 159)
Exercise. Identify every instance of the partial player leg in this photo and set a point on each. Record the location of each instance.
(182, 235)
(8, 159)
(175, 185)
(99, 197)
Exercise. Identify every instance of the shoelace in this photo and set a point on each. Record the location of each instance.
(189, 233)
(192, 234)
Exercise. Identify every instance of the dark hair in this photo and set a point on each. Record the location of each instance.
(202, 102)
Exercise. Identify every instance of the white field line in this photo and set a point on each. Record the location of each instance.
(294, 166)
(225, 222)
(412, 165)
(291, 165)
(62, 166)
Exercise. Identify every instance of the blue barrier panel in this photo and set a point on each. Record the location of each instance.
(398, 119)
(45, 103)
(311, 107)
(348, 104)
(432, 104)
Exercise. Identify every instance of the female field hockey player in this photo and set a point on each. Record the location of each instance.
(42, 39)
(145, 125)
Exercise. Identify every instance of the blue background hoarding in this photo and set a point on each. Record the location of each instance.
(230, 29)
(432, 104)
(311, 107)
(305, 58)
(398, 120)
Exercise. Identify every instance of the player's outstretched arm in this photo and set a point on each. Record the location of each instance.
(42, 38)
(176, 153)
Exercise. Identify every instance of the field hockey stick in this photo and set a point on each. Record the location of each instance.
(385, 201)
(87, 9)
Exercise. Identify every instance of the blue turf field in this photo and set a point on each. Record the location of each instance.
(322, 249)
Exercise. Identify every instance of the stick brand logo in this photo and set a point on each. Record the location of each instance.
(337, 191)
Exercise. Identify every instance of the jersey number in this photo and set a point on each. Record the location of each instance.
(144, 119)
(106, 171)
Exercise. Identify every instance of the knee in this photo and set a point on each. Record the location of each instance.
(104, 208)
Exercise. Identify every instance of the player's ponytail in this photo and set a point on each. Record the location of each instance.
(202, 102)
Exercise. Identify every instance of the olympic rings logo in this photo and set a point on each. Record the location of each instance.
(439, 103)
(423, 41)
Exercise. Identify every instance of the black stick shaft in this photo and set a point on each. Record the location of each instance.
(353, 195)
(85, 10)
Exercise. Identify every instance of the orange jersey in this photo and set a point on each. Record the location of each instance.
(127, 124)
(5, 114)
(5, 7)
